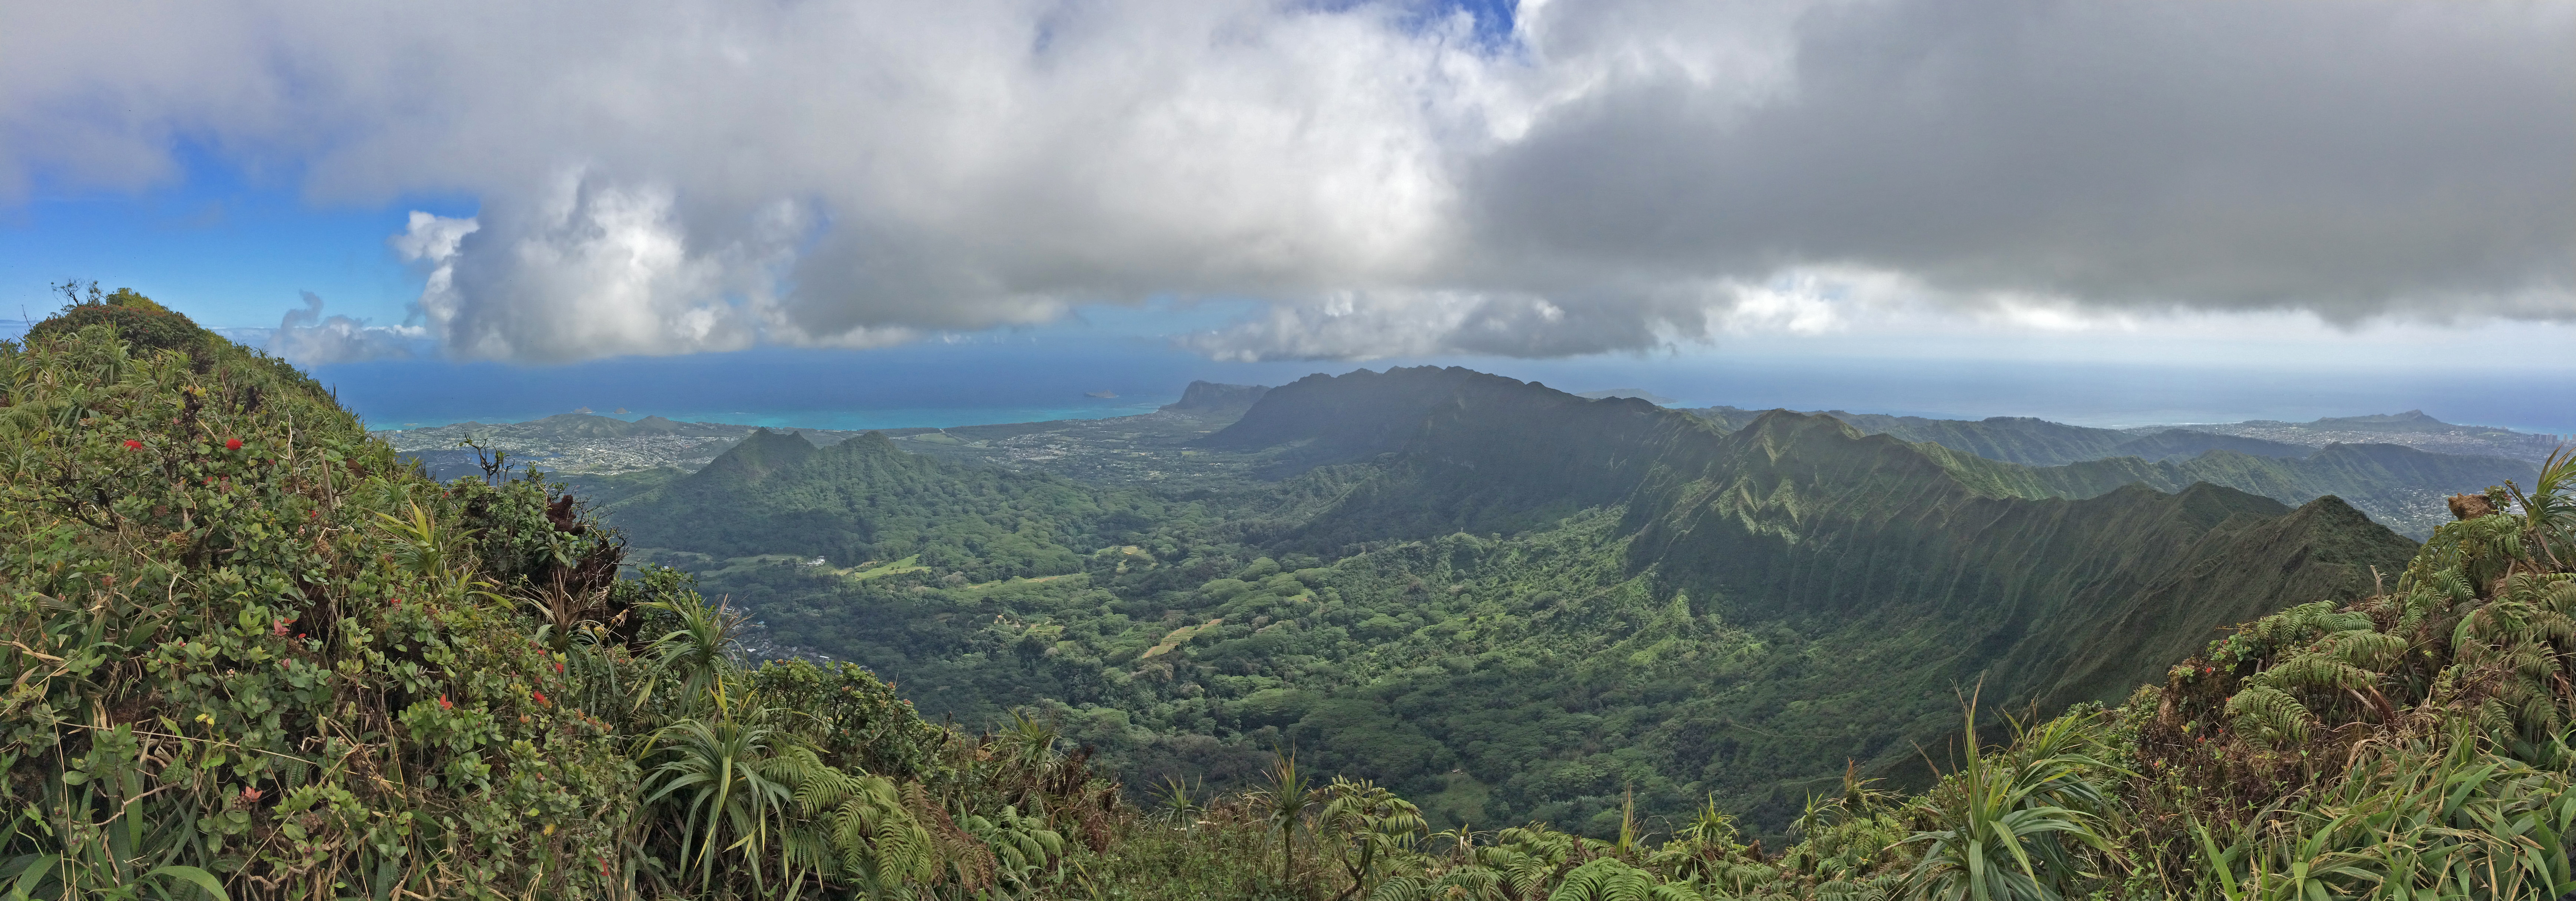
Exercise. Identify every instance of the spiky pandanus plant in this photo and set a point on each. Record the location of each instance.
(2428, 819)
(1176, 802)
(1287, 793)
(740, 783)
(2005, 819)
(728, 780)
(696, 653)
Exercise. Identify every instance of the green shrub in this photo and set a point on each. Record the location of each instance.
(136, 318)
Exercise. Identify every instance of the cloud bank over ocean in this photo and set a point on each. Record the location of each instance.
(1389, 179)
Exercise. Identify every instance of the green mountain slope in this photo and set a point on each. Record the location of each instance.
(862, 500)
(1507, 600)
(2013, 439)
(1800, 520)
(2400, 487)
(2176, 444)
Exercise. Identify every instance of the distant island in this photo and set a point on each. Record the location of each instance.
(1104, 395)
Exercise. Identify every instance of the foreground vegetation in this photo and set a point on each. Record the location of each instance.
(252, 656)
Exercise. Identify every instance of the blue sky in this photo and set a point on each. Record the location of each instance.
(2030, 210)
(236, 253)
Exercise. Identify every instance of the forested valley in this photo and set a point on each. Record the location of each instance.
(1416, 634)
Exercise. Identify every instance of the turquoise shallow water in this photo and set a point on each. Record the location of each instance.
(861, 420)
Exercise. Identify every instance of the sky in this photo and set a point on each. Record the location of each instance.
(854, 211)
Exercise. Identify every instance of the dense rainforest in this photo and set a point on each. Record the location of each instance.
(255, 655)
(1502, 600)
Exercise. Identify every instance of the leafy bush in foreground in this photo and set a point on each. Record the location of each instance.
(253, 655)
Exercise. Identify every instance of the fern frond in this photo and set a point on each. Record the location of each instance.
(2270, 716)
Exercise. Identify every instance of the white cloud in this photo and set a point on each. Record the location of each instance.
(687, 175)
(306, 336)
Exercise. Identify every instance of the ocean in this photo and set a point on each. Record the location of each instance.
(1008, 378)
(947, 385)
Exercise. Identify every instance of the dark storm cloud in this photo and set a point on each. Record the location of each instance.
(2348, 158)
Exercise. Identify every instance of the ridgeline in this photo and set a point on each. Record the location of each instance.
(255, 655)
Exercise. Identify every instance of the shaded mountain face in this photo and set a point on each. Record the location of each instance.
(2012, 439)
(1351, 418)
(2397, 486)
(1208, 397)
(2178, 444)
(1802, 519)
(2034, 442)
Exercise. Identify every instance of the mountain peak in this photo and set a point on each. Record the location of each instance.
(2410, 420)
(1203, 396)
(1638, 393)
(1361, 413)
(758, 454)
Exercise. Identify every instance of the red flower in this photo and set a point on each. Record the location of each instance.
(558, 666)
(445, 704)
(232, 444)
(397, 602)
(131, 444)
(250, 794)
(279, 628)
(541, 699)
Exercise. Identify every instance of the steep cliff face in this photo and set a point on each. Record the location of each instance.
(1800, 519)
(1211, 397)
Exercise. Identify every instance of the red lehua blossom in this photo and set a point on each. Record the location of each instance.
(232, 444)
(131, 444)
(558, 666)
(541, 698)
(445, 704)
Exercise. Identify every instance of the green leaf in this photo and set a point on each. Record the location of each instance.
(32, 870)
(193, 876)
